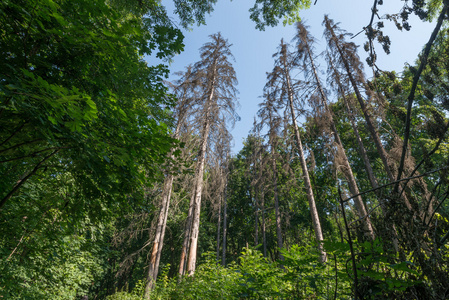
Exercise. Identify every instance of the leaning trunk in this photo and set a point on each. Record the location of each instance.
(369, 123)
(347, 169)
(153, 267)
(308, 186)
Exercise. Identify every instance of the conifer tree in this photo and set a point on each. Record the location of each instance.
(216, 81)
(348, 60)
(305, 56)
(268, 114)
(281, 88)
(185, 94)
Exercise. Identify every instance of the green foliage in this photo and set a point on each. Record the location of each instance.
(191, 11)
(55, 264)
(136, 294)
(84, 126)
(267, 13)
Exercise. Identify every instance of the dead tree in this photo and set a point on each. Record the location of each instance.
(280, 87)
(305, 57)
(216, 81)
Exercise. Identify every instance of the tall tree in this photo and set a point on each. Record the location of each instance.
(269, 116)
(217, 80)
(349, 61)
(281, 88)
(305, 56)
(185, 92)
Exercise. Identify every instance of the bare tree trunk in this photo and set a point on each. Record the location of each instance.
(256, 223)
(309, 191)
(346, 168)
(219, 230)
(362, 151)
(370, 124)
(371, 128)
(262, 207)
(198, 191)
(185, 244)
(264, 229)
(158, 243)
(276, 201)
(159, 236)
(361, 148)
(225, 229)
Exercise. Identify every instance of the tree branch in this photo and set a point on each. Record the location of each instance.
(428, 155)
(13, 134)
(18, 145)
(32, 154)
(22, 181)
(395, 182)
(411, 96)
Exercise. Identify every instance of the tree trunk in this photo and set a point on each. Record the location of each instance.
(313, 210)
(153, 267)
(197, 201)
(370, 124)
(276, 202)
(256, 223)
(225, 229)
(264, 229)
(191, 262)
(185, 244)
(218, 231)
(346, 168)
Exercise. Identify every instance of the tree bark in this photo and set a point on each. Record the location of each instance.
(309, 191)
(218, 231)
(191, 262)
(346, 168)
(370, 124)
(276, 201)
(225, 229)
(185, 244)
(153, 267)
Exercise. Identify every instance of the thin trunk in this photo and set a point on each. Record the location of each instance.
(362, 151)
(256, 225)
(347, 169)
(185, 244)
(276, 202)
(256, 200)
(262, 206)
(153, 267)
(223, 257)
(313, 210)
(264, 229)
(361, 148)
(218, 231)
(370, 124)
(158, 243)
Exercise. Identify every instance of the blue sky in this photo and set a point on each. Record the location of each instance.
(253, 49)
